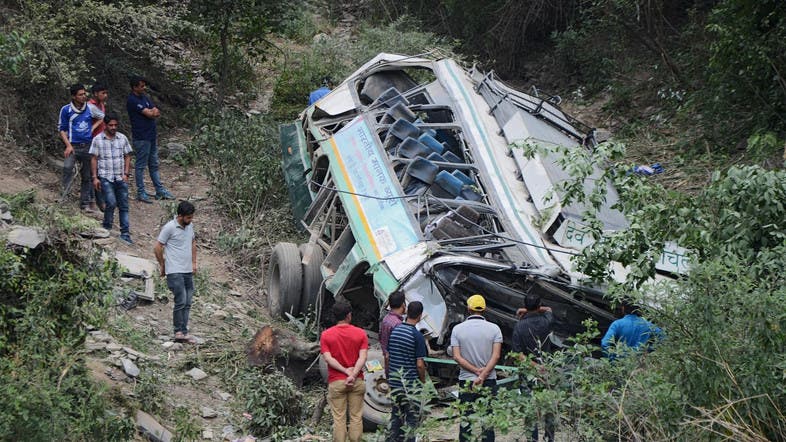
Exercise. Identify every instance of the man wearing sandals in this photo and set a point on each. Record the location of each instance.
(175, 251)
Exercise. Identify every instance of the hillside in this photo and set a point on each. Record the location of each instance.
(693, 85)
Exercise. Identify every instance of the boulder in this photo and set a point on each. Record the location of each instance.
(29, 237)
(149, 427)
(196, 374)
(129, 367)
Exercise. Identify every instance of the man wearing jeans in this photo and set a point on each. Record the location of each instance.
(344, 348)
(143, 115)
(110, 164)
(75, 127)
(175, 251)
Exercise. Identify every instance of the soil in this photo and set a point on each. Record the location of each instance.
(227, 308)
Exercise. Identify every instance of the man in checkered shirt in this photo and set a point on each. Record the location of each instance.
(110, 164)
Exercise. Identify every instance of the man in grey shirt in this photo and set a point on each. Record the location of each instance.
(175, 251)
(477, 346)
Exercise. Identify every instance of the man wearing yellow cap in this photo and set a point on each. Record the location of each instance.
(477, 345)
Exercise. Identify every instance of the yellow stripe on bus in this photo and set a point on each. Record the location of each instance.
(356, 199)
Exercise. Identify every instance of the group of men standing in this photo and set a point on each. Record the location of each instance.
(476, 346)
(91, 137)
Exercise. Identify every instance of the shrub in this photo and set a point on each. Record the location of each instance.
(273, 401)
(337, 58)
(47, 298)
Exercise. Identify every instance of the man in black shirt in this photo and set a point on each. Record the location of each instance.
(531, 337)
(531, 334)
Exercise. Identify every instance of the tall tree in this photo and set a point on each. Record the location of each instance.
(239, 28)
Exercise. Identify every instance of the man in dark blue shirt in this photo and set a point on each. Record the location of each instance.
(407, 348)
(531, 337)
(143, 114)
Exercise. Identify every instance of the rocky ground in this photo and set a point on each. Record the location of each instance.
(184, 386)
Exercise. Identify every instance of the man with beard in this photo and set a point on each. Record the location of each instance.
(175, 251)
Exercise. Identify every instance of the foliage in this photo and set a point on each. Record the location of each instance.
(187, 427)
(502, 31)
(241, 158)
(240, 155)
(47, 298)
(238, 29)
(275, 404)
(747, 65)
(723, 319)
(11, 55)
(336, 58)
(68, 42)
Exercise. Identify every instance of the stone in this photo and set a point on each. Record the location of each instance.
(100, 335)
(29, 237)
(151, 428)
(220, 315)
(95, 346)
(177, 347)
(196, 374)
(174, 150)
(602, 135)
(133, 352)
(209, 413)
(130, 368)
(207, 434)
(113, 346)
(95, 233)
(228, 433)
(164, 338)
(5, 212)
(167, 345)
(135, 266)
(224, 396)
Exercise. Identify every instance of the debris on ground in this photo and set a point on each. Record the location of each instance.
(139, 268)
(150, 427)
(196, 374)
(30, 237)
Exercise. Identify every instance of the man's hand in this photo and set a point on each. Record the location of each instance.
(68, 150)
(194, 267)
(163, 272)
(482, 375)
(96, 184)
(351, 377)
(521, 312)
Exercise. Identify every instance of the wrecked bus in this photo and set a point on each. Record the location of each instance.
(406, 178)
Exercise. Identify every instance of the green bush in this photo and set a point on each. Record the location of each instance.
(241, 157)
(336, 58)
(275, 404)
(720, 369)
(47, 298)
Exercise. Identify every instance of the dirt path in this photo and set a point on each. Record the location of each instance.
(227, 310)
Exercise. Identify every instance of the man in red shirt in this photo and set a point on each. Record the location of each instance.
(344, 348)
(97, 105)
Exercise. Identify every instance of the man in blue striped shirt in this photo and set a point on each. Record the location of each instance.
(407, 348)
